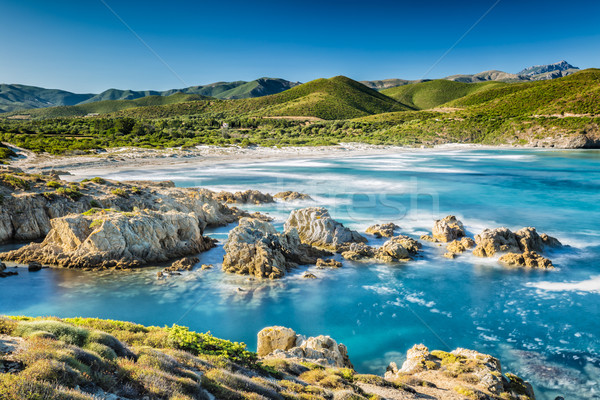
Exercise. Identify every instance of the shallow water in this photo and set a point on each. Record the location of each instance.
(543, 325)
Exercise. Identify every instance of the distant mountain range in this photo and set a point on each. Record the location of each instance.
(21, 97)
(535, 73)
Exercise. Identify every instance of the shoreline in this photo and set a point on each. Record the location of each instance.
(132, 157)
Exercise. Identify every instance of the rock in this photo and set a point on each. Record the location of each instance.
(34, 266)
(4, 274)
(116, 240)
(428, 238)
(448, 229)
(399, 248)
(292, 196)
(2, 266)
(255, 248)
(530, 240)
(450, 255)
(280, 342)
(316, 227)
(460, 246)
(25, 215)
(383, 230)
(184, 264)
(246, 197)
(529, 259)
(206, 266)
(308, 275)
(275, 338)
(492, 241)
(330, 263)
(356, 251)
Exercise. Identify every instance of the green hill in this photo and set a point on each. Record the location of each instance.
(426, 95)
(110, 106)
(19, 97)
(578, 93)
(330, 99)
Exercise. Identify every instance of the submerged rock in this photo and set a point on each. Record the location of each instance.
(280, 342)
(292, 196)
(460, 246)
(448, 229)
(255, 248)
(115, 239)
(330, 263)
(308, 275)
(529, 259)
(382, 230)
(316, 227)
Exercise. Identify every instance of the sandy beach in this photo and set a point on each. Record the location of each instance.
(130, 157)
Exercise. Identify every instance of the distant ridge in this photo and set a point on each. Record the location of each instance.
(23, 97)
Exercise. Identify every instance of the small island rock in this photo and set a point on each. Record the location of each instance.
(448, 229)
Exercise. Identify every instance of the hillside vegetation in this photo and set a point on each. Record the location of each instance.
(425, 95)
(563, 112)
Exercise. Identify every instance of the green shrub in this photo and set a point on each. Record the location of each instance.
(7, 326)
(52, 371)
(71, 193)
(53, 184)
(120, 192)
(14, 181)
(62, 331)
(95, 204)
(98, 180)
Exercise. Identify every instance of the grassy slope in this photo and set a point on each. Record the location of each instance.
(19, 97)
(426, 95)
(330, 99)
(109, 106)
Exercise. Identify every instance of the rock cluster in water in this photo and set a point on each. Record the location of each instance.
(255, 248)
(281, 342)
(109, 239)
(316, 228)
(382, 230)
(398, 248)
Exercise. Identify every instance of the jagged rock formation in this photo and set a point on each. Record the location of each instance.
(480, 375)
(254, 247)
(246, 197)
(382, 230)
(502, 240)
(459, 246)
(528, 259)
(281, 342)
(110, 239)
(448, 229)
(316, 227)
(292, 196)
(29, 202)
(398, 248)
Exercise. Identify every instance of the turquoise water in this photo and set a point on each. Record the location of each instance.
(543, 325)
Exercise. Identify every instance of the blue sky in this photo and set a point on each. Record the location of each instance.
(81, 46)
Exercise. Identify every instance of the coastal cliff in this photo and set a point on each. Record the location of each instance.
(86, 359)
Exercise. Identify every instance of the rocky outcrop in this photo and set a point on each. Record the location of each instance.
(280, 342)
(4, 273)
(330, 263)
(502, 240)
(382, 230)
(255, 248)
(492, 241)
(448, 229)
(398, 248)
(480, 375)
(316, 227)
(110, 239)
(292, 196)
(528, 259)
(456, 247)
(183, 264)
(246, 197)
(31, 201)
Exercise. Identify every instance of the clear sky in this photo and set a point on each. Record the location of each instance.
(83, 47)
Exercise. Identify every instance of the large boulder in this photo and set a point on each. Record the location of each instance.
(530, 240)
(460, 246)
(528, 259)
(399, 248)
(110, 239)
(275, 338)
(316, 227)
(448, 229)
(254, 247)
(492, 241)
(280, 342)
(382, 230)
